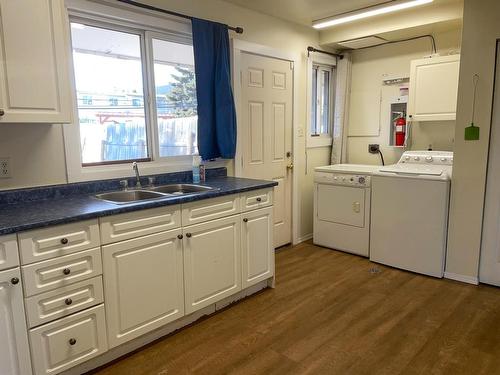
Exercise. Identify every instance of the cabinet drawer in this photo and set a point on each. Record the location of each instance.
(139, 223)
(200, 211)
(62, 344)
(47, 243)
(9, 255)
(63, 301)
(62, 271)
(252, 200)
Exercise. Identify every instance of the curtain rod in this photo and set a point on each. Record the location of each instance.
(312, 49)
(238, 30)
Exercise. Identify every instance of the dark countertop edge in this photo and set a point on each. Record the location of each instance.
(120, 209)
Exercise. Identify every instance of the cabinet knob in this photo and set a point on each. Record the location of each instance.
(180, 236)
(188, 235)
(2, 112)
(66, 271)
(259, 199)
(245, 220)
(64, 241)
(72, 341)
(68, 301)
(14, 280)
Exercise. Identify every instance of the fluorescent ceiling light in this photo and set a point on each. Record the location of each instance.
(375, 10)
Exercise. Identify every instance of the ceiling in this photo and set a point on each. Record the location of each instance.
(306, 11)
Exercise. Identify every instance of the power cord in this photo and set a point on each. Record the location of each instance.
(381, 157)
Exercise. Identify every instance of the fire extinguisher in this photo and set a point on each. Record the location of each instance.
(400, 131)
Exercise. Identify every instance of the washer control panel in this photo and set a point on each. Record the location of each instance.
(342, 179)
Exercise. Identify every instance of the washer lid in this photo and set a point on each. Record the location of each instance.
(435, 172)
(412, 169)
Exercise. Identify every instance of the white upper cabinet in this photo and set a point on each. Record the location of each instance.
(34, 62)
(434, 88)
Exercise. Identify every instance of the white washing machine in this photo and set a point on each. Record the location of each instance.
(409, 214)
(342, 207)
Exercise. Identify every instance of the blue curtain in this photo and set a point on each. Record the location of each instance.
(216, 111)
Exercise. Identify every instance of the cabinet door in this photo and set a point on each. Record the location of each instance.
(14, 350)
(34, 63)
(434, 88)
(143, 285)
(212, 265)
(257, 262)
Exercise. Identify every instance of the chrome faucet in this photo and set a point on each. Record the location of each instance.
(135, 167)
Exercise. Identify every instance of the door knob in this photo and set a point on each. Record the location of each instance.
(289, 166)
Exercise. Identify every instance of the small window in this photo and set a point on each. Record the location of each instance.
(322, 101)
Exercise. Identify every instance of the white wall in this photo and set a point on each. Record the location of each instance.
(481, 31)
(37, 151)
(369, 101)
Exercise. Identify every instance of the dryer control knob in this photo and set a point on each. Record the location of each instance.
(407, 158)
(429, 159)
(361, 180)
(416, 158)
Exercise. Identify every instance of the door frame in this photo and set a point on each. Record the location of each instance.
(238, 47)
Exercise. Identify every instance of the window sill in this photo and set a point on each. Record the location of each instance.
(315, 142)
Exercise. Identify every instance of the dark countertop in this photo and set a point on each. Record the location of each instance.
(23, 216)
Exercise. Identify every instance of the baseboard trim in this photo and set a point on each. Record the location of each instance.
(305, 238)
(462, 278)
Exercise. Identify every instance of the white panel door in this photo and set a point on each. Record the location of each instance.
(489, 268)
(266, 128)
(34, 63)
(257, 262)
(143, 284)
(14, 349)
(212, 269)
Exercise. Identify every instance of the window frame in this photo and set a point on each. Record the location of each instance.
(127, 19)
(329, 63)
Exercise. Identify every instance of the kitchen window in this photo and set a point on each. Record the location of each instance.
(135, 93)
(321, 104)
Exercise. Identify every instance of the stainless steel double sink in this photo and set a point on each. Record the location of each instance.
(151, 193)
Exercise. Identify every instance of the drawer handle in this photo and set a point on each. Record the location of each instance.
(66, 271)
(180, 236)
(72, 342)
(68, 301)
(259, 199)
(245, 220)
(188, 235)
(64, 241)
(14, 280)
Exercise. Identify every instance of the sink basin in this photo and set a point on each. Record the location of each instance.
(129, 196)
(182, 189)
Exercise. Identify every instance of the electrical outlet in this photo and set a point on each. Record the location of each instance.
(5, 171)
(373, 148)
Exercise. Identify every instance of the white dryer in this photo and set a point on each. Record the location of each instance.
(409, 216)
(342, 207)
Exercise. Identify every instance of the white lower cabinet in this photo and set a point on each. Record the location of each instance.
(66, 342)
(257, 248)
(14, 349)
(143, 284)
(212, 267)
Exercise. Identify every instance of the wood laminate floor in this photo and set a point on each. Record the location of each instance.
(330, 315)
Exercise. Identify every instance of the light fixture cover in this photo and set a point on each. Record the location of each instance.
(388, 7)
